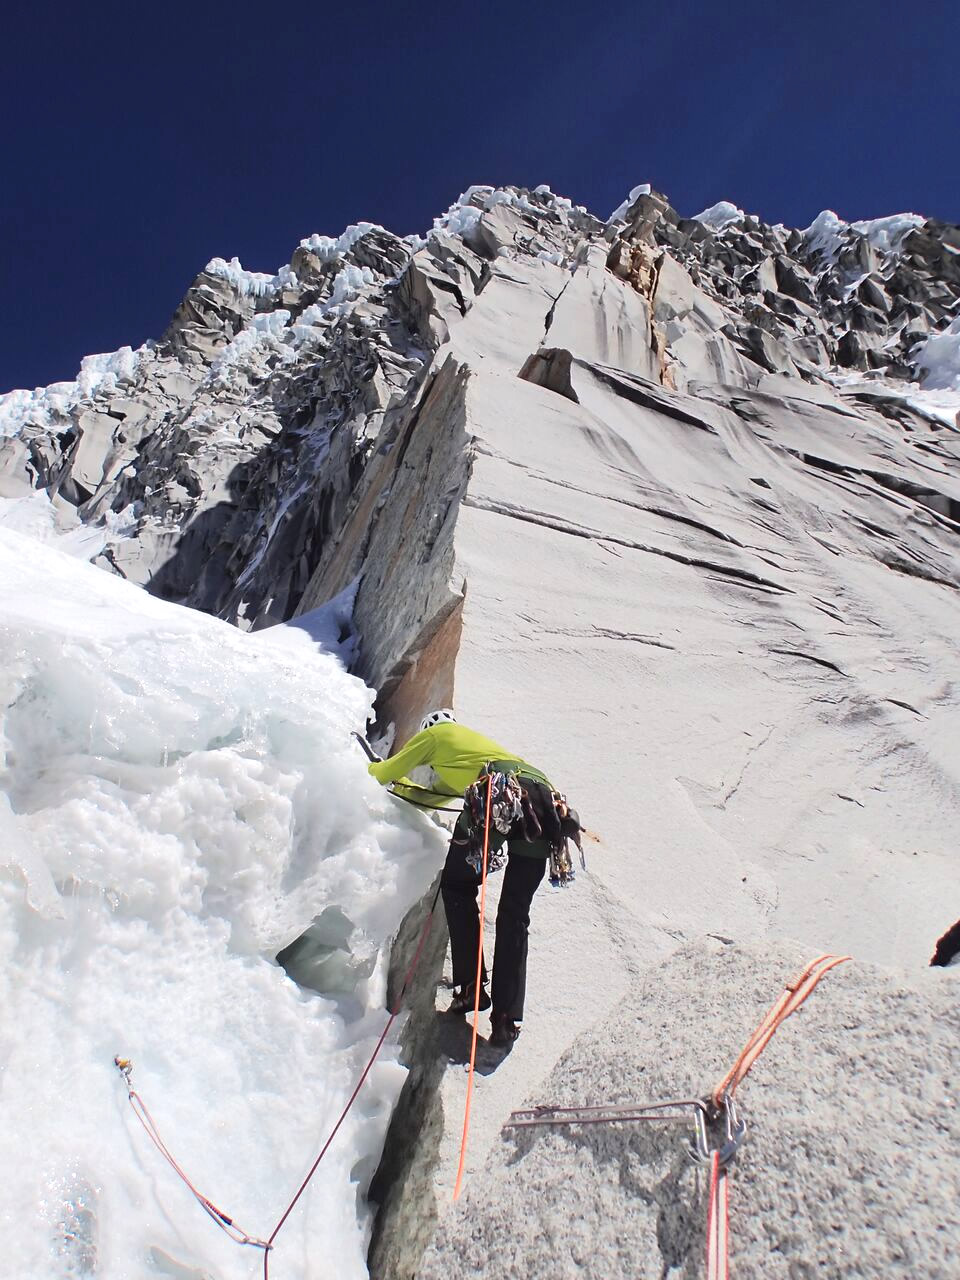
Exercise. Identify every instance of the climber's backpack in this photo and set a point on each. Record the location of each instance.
(522, 808)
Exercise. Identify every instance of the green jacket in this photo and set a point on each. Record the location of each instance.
(456, 754)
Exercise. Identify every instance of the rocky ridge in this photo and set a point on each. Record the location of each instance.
(222, 458)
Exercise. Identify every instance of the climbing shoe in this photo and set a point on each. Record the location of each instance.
(504, 1032)
(464, 1000)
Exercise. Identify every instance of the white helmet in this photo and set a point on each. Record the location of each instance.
(437, 717)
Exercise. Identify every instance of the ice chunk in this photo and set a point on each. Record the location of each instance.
(459, 219)
(720, 216)
(348, 283)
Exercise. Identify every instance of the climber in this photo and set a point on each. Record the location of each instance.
(459, 757)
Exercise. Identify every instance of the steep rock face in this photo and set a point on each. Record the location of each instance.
(733, 608)
(632, 495)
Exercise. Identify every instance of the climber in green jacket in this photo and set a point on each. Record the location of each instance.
(459, 756)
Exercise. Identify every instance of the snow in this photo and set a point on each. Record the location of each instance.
(620, 213)
(827, 233)
(330, 626)
(35, 516)
(255, 284)
(938, 360)
(104, 374)
(720, 216)
(179, 801)
(940, 406)
(329, 247)
(463, 215)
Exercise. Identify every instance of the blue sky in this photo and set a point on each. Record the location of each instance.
(142, 140)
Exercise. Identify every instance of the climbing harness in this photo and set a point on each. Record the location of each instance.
(426, 791)
(476, 992)
(225, 1223)
(718, 1128)
(523, 808)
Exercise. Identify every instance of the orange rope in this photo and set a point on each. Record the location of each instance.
(717, 1221)
(476, 997)
(794, 995)
(718, 1196)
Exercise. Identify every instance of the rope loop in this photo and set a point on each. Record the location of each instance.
(223, 1220)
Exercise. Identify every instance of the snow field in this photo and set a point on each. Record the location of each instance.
(179, 800)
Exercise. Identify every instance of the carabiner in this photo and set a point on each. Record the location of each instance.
(734, 1130)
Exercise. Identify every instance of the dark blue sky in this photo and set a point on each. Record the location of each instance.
(140, 140)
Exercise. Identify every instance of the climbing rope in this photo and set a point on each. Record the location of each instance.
(476, 995)
(718, 1112)
(718, 1199)
(794, 994)
(225, 1223)
(718, 1221)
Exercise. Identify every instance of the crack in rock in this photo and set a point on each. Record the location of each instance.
(592, 535)
(809, 657)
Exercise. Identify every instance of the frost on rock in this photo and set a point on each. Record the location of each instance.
(464, 214)
(253, 284)
(263, 337)
(99, 375)
(327, 248)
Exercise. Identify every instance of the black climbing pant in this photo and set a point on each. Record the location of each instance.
(459, 885)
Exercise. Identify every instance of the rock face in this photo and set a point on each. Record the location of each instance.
(661, 502)
(831, 1179)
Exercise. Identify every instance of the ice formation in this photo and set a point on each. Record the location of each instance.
(720, 216)
(826, 233)
(182, 800)
(938, 359)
